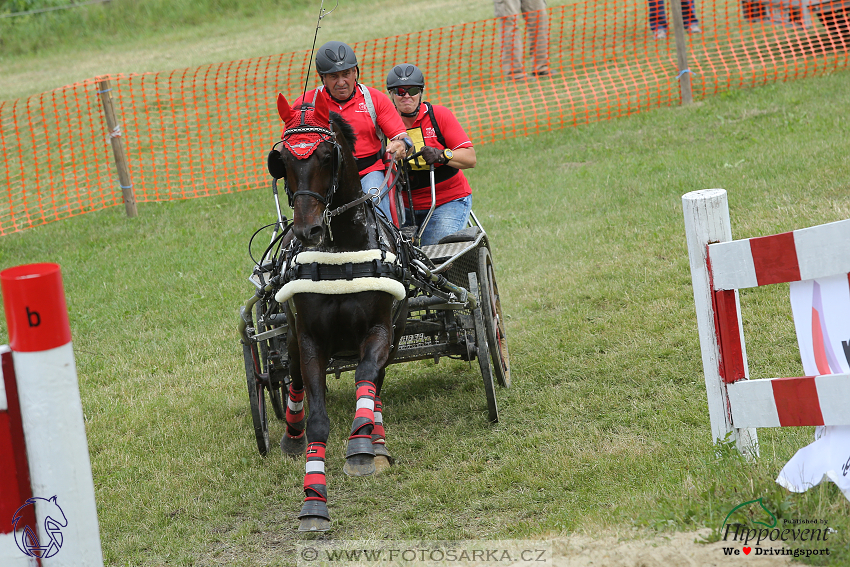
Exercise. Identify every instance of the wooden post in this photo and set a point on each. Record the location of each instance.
(706, 222)
(682, 54)
(117, 148)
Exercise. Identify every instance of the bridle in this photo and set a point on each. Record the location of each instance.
(302, 150)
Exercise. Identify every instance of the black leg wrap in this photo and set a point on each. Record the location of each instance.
(360, 446)
(315, 508)
(381, 451)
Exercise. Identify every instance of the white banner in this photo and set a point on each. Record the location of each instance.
(822, 319)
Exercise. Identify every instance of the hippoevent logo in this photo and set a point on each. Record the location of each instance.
(54, 520)
(760, 533)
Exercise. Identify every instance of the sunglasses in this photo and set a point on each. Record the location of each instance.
(401, 91)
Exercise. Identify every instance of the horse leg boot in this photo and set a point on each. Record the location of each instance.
(294, 441)
(360, 456)
(383, 459)
(314, 514)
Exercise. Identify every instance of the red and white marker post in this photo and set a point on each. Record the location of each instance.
(720, 267)
(50, 426)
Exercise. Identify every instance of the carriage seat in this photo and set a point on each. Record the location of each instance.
(468, 234)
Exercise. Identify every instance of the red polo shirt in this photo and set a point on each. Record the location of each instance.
(423, 134)
(355, 112)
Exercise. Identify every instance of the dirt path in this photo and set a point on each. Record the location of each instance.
(674, 550)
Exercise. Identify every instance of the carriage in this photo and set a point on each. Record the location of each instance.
(454, 311)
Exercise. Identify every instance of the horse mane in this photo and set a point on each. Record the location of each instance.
(345, 127)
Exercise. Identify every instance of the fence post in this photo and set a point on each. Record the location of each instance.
(117, 148)
(682, 54)
(706, 222)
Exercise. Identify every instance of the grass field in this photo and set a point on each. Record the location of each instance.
(606, 426)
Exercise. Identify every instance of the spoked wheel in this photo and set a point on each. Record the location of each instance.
(276, 377)
(256, 396)
(483, 352)
(493, 322)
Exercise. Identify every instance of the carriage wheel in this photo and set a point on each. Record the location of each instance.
(483, 353)
(276, 378)
(493, 321)
(256, 397)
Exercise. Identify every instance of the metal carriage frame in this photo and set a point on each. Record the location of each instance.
(455, 312)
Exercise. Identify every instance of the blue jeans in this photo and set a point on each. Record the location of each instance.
(376, 179)
(447, 218)
(658, 19)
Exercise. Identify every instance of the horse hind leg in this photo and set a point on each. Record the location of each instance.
(314, 514)
(383, 459)
(294, 441)
(360, 454)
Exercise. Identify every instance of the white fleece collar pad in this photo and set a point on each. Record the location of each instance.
(337, 258)
(341, 287)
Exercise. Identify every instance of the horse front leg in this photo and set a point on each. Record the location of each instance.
(383, 459)
(360, 454)
(314, 514)
(294, 441)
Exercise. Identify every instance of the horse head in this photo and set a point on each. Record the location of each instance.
(321, 172)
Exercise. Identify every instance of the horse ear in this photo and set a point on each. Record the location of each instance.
(283, 108)
(322, 112)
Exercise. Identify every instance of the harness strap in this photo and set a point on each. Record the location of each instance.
(330, 272)
(370, 106)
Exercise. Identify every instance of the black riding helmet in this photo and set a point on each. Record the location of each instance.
(405, 75)
(335, 56)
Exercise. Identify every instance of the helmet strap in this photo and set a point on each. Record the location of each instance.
(413, 114)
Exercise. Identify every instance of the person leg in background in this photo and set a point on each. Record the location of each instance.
(512, 63)
(447, 219)
(372, 180)
(537, 30)
(657, 19)
(689, 16)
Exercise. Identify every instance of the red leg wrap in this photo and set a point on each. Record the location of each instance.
(364, 417)
(295, 408)
(378, 433)
(315, 485)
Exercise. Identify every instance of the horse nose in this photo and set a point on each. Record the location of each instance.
(310, 235)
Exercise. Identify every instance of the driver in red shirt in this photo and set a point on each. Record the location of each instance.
(367, 110)
(440, 141)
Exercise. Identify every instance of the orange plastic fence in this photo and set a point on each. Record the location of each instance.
(204, 131)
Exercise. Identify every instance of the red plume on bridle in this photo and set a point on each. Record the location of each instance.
(305, 127)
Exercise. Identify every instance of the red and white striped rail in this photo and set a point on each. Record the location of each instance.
(804, 254)
(42, 431)
(719, 267)
(784, 402)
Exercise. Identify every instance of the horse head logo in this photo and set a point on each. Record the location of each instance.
(54, 520)
(752, 514)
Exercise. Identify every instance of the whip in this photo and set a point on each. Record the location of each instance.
(322, 14)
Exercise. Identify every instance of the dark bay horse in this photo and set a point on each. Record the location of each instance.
(343, 294)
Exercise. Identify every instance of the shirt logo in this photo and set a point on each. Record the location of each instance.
(429, 132)
(362, 107)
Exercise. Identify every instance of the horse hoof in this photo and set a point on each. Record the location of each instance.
(293, 446)
(382, 463)
(314, 524)
(359, 465)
